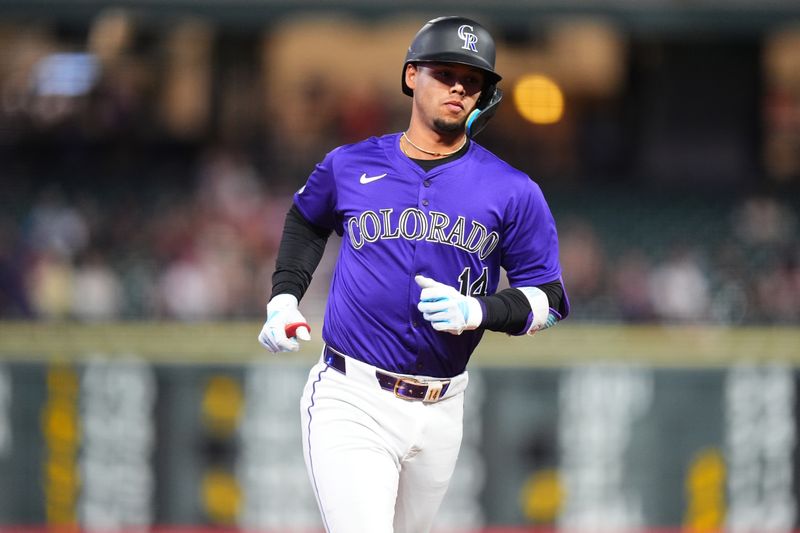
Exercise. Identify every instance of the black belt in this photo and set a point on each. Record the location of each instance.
(402, 387)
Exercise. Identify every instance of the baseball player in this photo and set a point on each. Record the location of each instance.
(428, 218)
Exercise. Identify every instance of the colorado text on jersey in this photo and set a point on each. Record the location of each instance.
(416, 225)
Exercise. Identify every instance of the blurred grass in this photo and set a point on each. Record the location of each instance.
(235, 342)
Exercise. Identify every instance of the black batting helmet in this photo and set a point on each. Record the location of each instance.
(459, 40)
(453, 40)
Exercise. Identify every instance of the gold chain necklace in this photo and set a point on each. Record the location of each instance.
(435, 154)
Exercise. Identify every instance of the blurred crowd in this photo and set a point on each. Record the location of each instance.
(685, 260)
(208, 253)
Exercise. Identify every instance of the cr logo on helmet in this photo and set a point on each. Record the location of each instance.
(469, 38)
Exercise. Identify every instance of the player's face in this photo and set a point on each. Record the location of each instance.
(445, 93)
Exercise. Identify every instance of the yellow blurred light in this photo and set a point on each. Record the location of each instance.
(222, 496)
(539, 99)
(223, 401)
(705, 492)
(542, 496)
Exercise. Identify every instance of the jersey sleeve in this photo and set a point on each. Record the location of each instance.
(530, 244)
(316, 200)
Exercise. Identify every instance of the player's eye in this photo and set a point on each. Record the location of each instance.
(444, 75)
(472, 84)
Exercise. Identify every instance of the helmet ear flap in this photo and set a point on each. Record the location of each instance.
(484, 110)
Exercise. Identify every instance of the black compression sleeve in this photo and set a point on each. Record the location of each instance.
(508, 310)
(555, 294)
(299, 254)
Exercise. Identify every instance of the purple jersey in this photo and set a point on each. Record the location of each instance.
(459, 224)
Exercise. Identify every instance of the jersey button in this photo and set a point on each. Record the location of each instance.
(420, 366)
(427, 183)
(414, 324)
(424, 202)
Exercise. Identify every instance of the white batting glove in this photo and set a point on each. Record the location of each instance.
(282, 312)
(446, 308)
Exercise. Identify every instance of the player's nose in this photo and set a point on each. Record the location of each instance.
(458, 88)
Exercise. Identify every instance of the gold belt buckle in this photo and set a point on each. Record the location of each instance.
(400, 381)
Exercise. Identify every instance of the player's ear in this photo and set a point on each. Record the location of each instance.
(411, 76)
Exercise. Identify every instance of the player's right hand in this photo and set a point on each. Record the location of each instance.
(282, 312)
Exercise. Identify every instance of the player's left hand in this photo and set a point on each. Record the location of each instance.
(446, 308)
(285, 324)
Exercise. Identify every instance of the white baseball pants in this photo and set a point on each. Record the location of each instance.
(377, 463)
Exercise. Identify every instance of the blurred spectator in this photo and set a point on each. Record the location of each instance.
(224, 257)
(51, 285)
(778, 290)
(679, 288)
(14, 300)
(583, 263)
(731, 299)
(190, 289)
(631, 286)
(763, 220)
(97, 290)
(54, 225)
(229, 187)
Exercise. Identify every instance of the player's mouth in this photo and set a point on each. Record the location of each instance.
(454, 106)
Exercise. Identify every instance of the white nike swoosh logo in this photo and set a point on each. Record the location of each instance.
(364, 179)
